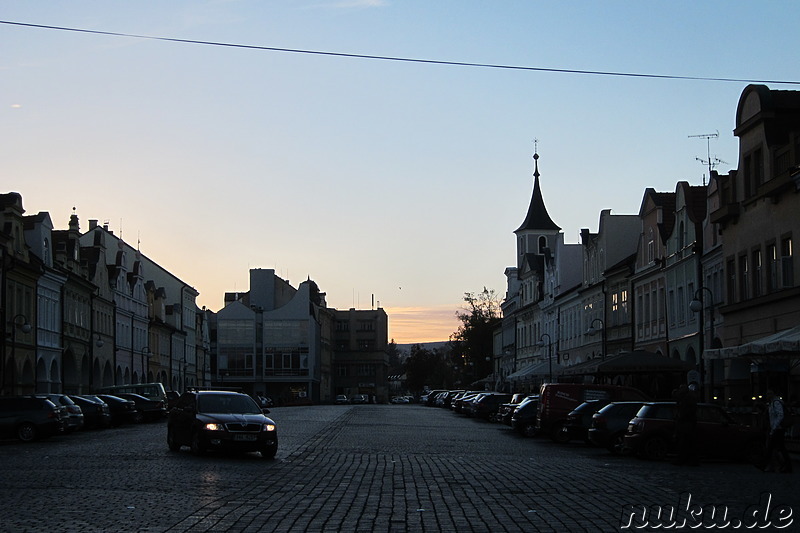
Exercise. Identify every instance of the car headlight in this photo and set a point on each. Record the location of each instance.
(269, 427)
(214, 427)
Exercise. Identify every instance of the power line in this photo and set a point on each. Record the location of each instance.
(401, 59)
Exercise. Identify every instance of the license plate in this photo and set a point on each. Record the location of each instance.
(245, 437)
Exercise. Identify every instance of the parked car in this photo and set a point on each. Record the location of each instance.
(506, 410)
(360, 398)
(341, 399)
(459, 403)
(610, 423)
(95, 412)
(75, 419)
(399, 400)
(523, 420)
(122, 411)
(221, 420)
(486, 406)
(30, 417)
(557, 400)
(149, 410)
(172, 398)
(429, 401)
(579, 420)
(650, 433)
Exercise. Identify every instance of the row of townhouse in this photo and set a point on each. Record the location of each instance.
(82, 311)
(699, 285)
(286, 343)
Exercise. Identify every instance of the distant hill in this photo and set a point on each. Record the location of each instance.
(406, 348)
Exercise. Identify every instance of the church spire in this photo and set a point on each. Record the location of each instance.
(537, 217)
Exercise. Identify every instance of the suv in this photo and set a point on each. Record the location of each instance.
(29, 418)
(221, 420)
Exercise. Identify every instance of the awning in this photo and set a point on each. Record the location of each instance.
(541, 369)
(488, 379)
(636, 362)
(784, 344)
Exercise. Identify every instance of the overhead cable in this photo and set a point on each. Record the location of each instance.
(402, 59)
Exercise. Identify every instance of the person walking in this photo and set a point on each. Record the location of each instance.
(777, 458)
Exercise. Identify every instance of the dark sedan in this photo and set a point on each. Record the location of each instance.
(221, 420)
(95, 412)
(122, 411)
(610, 423)
(149, 410)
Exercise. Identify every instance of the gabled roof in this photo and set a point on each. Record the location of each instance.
(537, 217)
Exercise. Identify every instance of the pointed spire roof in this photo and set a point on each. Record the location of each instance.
(537, 218)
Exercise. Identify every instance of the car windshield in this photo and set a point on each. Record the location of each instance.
(219, 403)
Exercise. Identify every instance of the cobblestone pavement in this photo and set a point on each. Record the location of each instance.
(366, 468)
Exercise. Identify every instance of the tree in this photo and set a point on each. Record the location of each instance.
(472, 343)
(427, 368)
(395, 361)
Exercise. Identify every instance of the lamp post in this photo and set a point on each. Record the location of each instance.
(593, 331)
(146, 354)
(549, 357)
(26, 328)
(697, 305)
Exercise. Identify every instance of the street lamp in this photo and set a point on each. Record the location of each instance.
(593, 331)
(549, 357)
(697, 305)
(146, 353)
(26, 328)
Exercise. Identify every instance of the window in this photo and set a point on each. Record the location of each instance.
(787, 266)
(757, 273)
(758, 168)
(651, 247)
(772, 268)
(730, 268)
(542, 244)
(744, 279)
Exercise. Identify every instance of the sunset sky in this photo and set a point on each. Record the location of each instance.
(267, 143)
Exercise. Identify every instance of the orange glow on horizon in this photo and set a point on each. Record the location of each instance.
(411, 325)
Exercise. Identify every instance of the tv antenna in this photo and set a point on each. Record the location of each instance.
(710, 161)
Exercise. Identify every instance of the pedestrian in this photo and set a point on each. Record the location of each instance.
(685, 426)
(777, 458)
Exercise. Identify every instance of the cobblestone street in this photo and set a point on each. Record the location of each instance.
(360, 468)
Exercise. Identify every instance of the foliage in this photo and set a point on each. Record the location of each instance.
(395, 361)
(472, 342)
(427, 368)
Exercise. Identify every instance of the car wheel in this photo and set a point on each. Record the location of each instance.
(269, 452)
(197, 446)
(26, 432)
(171, 442)
(616, 444)
(559, 434)
(138, 418)
(529, 430)
(655, 449)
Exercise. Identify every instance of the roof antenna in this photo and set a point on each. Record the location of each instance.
(711, 162)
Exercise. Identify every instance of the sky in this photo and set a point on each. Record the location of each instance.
(396, 184)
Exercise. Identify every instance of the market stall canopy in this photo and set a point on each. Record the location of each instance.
(784, 344)
(541, 369)
(636, 362)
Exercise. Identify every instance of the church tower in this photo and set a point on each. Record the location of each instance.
(538, 231)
